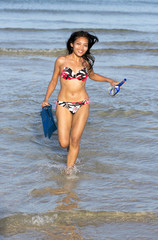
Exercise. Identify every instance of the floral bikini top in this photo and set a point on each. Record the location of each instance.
(68, 74)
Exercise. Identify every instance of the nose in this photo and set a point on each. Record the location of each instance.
(82, 47)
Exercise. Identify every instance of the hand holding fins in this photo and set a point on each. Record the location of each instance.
(48, 122)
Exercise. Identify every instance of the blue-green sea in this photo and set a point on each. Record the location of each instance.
(113, 193)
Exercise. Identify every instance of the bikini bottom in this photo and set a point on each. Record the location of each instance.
(73, 106)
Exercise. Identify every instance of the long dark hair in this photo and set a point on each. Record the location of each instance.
(88, 57)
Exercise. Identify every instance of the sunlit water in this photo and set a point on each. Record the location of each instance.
(112, 194)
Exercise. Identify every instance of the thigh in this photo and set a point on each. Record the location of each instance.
(79, 121)
(64, 121)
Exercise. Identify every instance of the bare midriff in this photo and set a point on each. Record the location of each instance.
(72, 90)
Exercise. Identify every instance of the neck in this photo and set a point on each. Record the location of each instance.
(75, 58)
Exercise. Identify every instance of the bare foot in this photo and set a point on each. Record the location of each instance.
(68, 170)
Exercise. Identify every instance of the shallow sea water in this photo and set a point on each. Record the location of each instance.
(112, 194)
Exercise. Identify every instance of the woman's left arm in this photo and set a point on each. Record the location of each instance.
(96, 77)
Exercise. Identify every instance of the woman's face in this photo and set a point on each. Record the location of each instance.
(80, 46)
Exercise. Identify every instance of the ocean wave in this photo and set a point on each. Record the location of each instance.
(129, 113)
(10, 29)
(17, 223)
(69, 11)
(131, 43)
(94, 30)
(125, 50)
(25, 51)
(59, 51)
(137, 67)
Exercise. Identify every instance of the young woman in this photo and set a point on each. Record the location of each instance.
(73, 102)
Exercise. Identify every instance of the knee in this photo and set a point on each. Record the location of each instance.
(74, 141)
(63, 143)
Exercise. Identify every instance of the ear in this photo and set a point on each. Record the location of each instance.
(71, 44)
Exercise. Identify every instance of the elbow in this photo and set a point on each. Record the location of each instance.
(92, 76)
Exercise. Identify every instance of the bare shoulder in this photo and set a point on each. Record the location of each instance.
(60, 60)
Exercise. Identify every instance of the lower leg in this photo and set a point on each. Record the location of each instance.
(72, 154)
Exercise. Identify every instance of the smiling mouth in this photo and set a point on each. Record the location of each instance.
(81, 51)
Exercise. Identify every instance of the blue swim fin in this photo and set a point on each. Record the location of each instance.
(48, 122)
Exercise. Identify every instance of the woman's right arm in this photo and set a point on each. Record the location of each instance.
(53, 82)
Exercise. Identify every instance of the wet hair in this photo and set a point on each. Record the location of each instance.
(88, 57)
